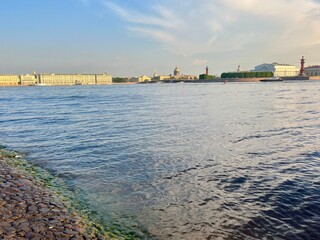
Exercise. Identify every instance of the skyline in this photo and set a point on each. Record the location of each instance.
(132, 38)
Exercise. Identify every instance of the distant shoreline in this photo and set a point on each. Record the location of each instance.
(216, 80)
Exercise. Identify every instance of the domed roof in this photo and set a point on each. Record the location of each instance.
(176, 71)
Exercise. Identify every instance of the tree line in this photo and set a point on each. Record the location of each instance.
(123, 80)
(205, 76)
(246, 74)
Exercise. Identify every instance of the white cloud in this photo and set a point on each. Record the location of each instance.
(156, 34)
(203, 29)
(191, 27)
(140, 18)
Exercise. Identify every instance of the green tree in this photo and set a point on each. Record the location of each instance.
(205, 76)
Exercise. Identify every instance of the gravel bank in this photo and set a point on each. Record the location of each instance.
(28, 210)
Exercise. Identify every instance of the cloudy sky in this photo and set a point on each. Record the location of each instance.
(134, 37)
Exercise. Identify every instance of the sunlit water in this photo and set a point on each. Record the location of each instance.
(182, 161)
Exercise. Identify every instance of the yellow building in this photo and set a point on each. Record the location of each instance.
(54, 79)
(74, 79)
(28, 79)
(9, 80)
(161, 77)
(66, 79)
(103, 79)
(144, 79)
(184, 77)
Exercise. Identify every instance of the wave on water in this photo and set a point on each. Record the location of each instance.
(179, 161)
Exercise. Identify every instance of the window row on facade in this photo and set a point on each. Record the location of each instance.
(55, 79)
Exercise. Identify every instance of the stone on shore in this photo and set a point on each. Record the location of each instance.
(30, 211)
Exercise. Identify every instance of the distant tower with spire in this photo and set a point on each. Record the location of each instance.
(238, 70)
(155, 73)
(302, 62)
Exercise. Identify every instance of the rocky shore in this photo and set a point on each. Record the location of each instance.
(29, 210)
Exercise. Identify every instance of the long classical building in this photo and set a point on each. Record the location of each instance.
(312, 70)
(74, 79)
(278, 70)
(9, 80)
(54, 79)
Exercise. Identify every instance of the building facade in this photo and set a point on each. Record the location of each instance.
(54, 79)
(312, 70)
(74, 79)
(161, 77)
(102, 79)
(9, 80)
(28, 79)
(144, 78)
(66, 79)
(186, 77)
(278, 70)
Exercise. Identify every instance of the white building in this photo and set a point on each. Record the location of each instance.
(312, 70)
(279, 70)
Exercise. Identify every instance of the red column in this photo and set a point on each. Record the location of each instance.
(207, 70)
(302, 66)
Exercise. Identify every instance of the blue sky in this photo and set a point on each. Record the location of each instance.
(133, 37)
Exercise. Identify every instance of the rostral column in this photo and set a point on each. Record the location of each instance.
(302, 74)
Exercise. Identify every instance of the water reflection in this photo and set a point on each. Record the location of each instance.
(186, 161)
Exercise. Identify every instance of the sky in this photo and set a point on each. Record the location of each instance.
(137, 37)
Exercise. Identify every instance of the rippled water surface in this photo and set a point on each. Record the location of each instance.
(181, 161)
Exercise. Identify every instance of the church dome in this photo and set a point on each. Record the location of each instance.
(176, 71)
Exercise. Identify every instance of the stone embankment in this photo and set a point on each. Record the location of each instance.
(28, 210)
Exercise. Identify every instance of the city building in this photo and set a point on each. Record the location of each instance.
(161, 77)
(9, 80)
(312, 70)
(67, 79)
(28, 79)
(278, 70)
(177, 75)
(187, 77)
(102, 79)
(54, 79)
(144, 78)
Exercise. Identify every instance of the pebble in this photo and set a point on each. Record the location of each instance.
(29, 211)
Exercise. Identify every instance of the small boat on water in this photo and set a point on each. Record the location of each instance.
(272, 79)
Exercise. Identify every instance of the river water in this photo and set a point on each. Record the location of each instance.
(179, 161)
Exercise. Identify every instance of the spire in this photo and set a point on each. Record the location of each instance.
(155, 73)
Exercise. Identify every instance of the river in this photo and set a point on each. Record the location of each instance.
(179, 161)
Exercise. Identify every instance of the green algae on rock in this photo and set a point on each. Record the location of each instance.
(51, 200)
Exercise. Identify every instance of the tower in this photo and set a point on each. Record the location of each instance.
(155, 73)
(302, 74)
(238, 70)
(207, 70)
